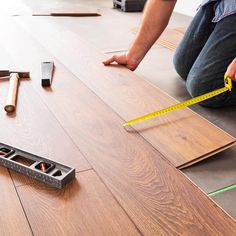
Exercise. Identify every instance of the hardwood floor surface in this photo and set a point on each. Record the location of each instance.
(85, 207)
(183, 137)
(12, 218)
(154, 194)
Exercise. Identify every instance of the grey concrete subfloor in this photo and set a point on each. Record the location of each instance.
(112, 32)
(227, 201)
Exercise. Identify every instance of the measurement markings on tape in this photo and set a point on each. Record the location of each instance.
(192, 101)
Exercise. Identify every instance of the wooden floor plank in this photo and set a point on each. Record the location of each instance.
(182, 137)
(85, 207)
(158, 198)
(65, 11)
(12, 217)
(171, 38)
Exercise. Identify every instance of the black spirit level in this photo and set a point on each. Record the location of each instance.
(42, 169)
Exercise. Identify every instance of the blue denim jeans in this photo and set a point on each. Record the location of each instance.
(204, 55)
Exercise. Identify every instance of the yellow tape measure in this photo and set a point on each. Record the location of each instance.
(192, 101)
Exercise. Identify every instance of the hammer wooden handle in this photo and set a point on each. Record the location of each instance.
(12, 93)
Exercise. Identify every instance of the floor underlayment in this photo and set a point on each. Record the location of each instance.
(157, 67)
(227, 201)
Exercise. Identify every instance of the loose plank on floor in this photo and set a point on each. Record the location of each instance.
(12, 217)
(158, 198)
(85, 207)
(65, 11)
(170, 38)
(182, 137)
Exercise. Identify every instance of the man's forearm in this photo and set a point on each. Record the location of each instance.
(155, 19)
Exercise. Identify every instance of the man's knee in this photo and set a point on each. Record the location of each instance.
(179, 66)
(193, 85)
(198, 84)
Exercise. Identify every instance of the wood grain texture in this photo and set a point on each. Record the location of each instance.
(33, 127)
(12, 217)
(85, 207)
(158, 198)
(182, 137)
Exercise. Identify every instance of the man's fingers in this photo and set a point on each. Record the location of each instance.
(230, 73)
(131, 67)
(121, 60)
(109, 60)
(231, 70)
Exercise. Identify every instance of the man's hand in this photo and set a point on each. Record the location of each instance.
(155, 19)
(123, 59)
(231, 71)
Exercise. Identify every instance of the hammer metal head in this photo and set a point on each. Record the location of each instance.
(21, 74)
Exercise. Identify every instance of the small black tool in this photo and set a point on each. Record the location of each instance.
(47, 68)
(129, 5)
(42, 169)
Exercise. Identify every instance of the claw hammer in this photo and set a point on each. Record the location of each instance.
(13, 77)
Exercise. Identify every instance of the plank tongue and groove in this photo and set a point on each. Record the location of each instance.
(156, 196)
(183, 137)
(12, 217)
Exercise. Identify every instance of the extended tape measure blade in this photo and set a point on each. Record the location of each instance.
(178, 106)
